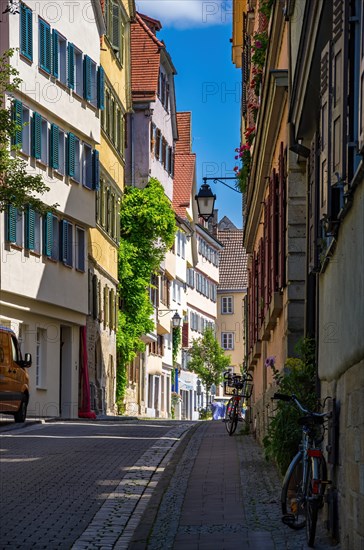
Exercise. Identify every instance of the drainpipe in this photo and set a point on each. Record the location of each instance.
(132, 150)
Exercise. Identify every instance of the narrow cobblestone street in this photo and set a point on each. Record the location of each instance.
(155, 485)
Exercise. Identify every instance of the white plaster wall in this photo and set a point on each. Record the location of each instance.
(341, 292)
(74, 20)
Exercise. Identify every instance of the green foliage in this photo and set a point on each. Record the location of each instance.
(176, 342)
(17, 186)
(205, 414)
(259, 48)
(266, 7)
(147, 226)
(299, 377)
(207, 359)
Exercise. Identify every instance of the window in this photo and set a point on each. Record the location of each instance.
(93, 98)
(153, 131)
(87, 166)
(32, 230)
(44, 46)
(227, 305)
(66, 255)
(80, 249)
(78, 71)
(71, 66)
(25, 141)
(61, 152)
(44, 141)
(158, 139)
(77, 174)
(41, 358)
(115, 28)
(26, 31)
(14, 226)
(54, 146)
(59, 67)
(227, 340)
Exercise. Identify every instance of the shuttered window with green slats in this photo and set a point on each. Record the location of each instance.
(101, 88)
(54, 146)
(71, 66)
(70, 159)
(26, 31)
(55, 53)
(12, 215)
(87, 92)
(37, 136)
(48, 234)
(45, 52)
(29, 228)
(18, 119)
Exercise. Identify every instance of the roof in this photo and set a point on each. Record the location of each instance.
(184, 169)
(184, 143)
(145, 60)
(184, 166)
(233, 260)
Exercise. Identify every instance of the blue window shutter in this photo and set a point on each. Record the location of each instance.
(55, 45)
(44, 46)
(18, 119)
(26, 30)
(70, 161)
(101, 88)
(29, 34)
(81, 250)
(36, 135)
(54, 146)
(30, 228)
(71, 66)
(11, 224)
(87, 78)
(95, 170)
(48, 234)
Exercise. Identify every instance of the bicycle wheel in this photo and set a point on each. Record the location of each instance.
(292, 495)
(314, 501)
(231, 417)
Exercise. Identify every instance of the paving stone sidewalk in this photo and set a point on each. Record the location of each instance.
(222, 495)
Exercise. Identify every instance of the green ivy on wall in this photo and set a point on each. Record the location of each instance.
(147, 232)
(176, 342)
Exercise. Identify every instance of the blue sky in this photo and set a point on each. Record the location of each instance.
(197, 35)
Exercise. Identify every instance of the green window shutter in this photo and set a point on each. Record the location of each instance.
(115, 37)
(48, 234)
(54, 146)
(30, 228)
(71, 154)
(44, 46)
(101, 88)
(55, 67)
(95, 170)
(18, 119)
(87, 78)
(11, 223)
(36, 136)
(26, 30)
(71, 66)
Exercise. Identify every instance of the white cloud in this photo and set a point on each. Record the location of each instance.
(187, 13)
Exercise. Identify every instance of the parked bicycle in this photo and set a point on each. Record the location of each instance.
(242, 390)
(306, 478)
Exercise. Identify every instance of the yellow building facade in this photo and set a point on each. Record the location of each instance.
(104, 238)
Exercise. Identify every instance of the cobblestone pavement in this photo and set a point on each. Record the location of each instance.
(222, 495)
(77, 485)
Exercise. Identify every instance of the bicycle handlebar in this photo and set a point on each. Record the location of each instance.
(285, 397)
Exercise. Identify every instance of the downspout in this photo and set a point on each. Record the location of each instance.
(132, 149)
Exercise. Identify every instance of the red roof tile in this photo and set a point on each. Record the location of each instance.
(233, 260)
(184, 169)
(145, 60)
(184, 133)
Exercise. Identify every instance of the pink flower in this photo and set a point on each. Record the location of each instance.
(258, 44)
(236, 168)
(236, 157)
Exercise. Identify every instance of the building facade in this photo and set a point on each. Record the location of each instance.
(151, 137)
(104, 238)
(303, 75)
(44, 263)
(231, 293)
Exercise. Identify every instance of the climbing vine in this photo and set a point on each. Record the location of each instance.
(147, 231)
(176, 342)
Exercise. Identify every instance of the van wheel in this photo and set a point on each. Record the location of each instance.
(20, 416)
